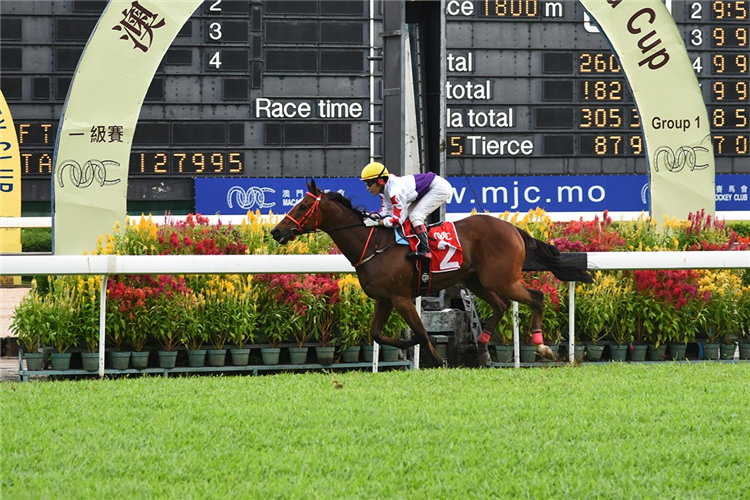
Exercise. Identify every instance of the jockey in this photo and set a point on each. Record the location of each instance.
(413, 196)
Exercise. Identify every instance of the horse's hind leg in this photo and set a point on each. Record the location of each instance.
(406, 309)
(383, 310)
(535, 300)
(499, 307)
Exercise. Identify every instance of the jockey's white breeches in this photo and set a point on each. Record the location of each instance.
(440, 191)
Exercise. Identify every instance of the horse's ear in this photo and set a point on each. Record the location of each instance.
(312, 187)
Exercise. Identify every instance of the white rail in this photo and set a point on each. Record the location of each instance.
(105, 265)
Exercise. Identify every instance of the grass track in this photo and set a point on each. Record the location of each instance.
(613, 431)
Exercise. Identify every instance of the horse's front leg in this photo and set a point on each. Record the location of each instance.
(405, 307)
(383, 310)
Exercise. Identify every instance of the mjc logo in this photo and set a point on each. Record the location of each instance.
(443, 235)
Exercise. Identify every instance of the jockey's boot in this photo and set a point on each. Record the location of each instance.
(423, 247)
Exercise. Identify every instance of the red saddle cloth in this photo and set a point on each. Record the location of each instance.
(444, 246)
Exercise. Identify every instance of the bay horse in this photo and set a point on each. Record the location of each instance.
(494, 252)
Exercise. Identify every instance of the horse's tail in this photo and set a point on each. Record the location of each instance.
(541, 256)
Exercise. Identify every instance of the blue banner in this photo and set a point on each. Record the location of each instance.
(573, 193)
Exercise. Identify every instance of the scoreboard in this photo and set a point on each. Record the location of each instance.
(293, 88)
(534, 88)
(248, 88)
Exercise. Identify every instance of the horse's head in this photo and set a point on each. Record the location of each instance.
(304, 217)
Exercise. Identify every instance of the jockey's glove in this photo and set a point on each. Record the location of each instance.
(370, 222)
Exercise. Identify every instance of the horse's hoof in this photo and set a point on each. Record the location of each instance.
(545, 352)
(483, 358)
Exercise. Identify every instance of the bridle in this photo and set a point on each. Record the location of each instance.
(307, 215)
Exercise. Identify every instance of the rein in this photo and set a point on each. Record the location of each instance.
(313, 210)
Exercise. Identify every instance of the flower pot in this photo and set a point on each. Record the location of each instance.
(325, 354)
(120, 359)
(167, 359)
(217, 357)
(367, 353)
(579, 350)
(270, 355)
(676, 351)
(298, 355)
(638, 352)
(60, 360)
(744, 349)
(388, 353)
(139, 359)
(196, 357)
(240, 357)
(528, 353)
(726, 351)
(34, 361)
(90, 361)
(654, 353)
(618, 352)
(504, 353)
(710, 351)
(594, 352)
(351, 354)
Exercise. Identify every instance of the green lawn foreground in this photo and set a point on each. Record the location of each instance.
(608, 431)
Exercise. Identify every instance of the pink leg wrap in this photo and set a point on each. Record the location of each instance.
(484, 337)
(536, 337)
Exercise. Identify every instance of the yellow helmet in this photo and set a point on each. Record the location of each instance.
(374, 170)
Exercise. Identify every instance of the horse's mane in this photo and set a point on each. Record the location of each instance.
(346, 202)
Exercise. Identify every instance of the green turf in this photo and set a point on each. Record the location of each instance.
(608, 431)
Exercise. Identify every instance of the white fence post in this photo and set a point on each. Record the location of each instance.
(102, 322)
(571, 321)
(516, 337)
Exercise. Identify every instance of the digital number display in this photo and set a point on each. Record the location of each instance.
(730, 10)
(509, 9)
(187, 162)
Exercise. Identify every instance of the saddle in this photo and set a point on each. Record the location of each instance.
(445, 247)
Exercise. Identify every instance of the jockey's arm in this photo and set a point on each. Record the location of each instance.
(397, 213)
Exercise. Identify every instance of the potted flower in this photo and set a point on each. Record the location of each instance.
(275, 323)
(87, 319)
(594, 308)
(393, 329)
(169, 307)
(245, 321)
(276, 299)
(743, 320)
(195, 334)
(30, 319)
(623, 320)
(62, 332)
(354, 313)
(321, 294)
(666, 294)
(720, 292)
(122, 296)
(220, 298)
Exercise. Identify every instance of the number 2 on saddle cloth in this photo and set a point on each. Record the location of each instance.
(445, 248)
